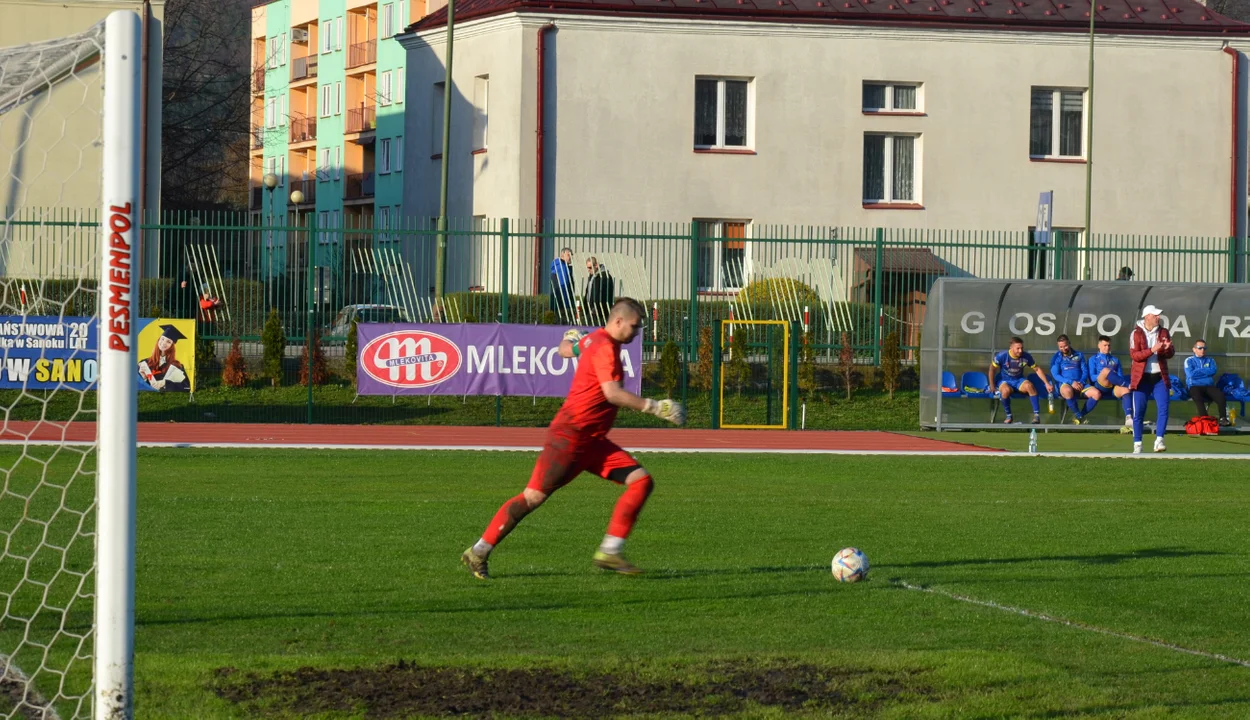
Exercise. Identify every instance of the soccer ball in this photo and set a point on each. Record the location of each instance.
(850, 565)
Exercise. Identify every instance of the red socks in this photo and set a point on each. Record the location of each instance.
(506, 519)
(628, 506)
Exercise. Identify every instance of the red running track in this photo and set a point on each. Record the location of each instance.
(432, 436)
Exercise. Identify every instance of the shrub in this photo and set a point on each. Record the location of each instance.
(807, 369)
(549, 318)
(701, 374)
(846, 364)
(488, 307)
(274, 342)
(350, 349)
(891, 363)
(205, 360)
(234, 372)
(782, 292)
(320, 371)
(670, 368)
(737, 370)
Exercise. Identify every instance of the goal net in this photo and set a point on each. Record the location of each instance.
(70, 202)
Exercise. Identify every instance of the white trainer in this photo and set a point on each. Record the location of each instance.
(1137, 448)
(1159, 446)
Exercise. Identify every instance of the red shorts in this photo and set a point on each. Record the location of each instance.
(565, 456)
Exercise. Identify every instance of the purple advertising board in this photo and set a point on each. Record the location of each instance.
(473, 359)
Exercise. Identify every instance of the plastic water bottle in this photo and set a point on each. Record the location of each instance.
(1050, 404)
(1033, 442)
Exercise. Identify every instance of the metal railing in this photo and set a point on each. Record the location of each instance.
(303, 128)
(303, 67)
(258, 80)
(308, 187)
(362, 119)
(257, 137)
(358, 185)
(362, 53)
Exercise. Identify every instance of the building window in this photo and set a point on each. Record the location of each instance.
(327, 36)
(481, 90)
(399, 85)
(1056, 259)
(281, 171)
(338, 97)
(384, 156)
(722, 113)
(282, 49)
(338, 33)
(273, 52)
(722, 254)
(891, 97)
(398, 159)
(323, 167)
(1055, 126)
(386, 21)
(338, 162)
(326, 100)
(890, 168)
(282, 114)
(271, 112)
(436, 120)
(384, 87)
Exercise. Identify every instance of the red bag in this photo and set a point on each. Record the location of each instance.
(1202, 425)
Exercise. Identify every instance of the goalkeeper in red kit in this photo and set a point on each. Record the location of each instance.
(577, 441)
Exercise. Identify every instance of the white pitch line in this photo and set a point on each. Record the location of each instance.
(1073, 624)
(694, 451)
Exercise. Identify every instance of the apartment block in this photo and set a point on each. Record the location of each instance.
(327, 121)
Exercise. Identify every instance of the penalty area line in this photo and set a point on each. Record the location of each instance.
(1071, 623)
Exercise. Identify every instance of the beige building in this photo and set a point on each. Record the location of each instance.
(50, 138)
(933, 115)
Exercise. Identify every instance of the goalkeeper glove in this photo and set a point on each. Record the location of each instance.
(572, 335)
(669, 410)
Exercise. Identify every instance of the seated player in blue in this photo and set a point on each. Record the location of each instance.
(1016, 365)
(1068, 368)
(1107, 377)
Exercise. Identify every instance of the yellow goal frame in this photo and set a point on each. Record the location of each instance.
(785, 376)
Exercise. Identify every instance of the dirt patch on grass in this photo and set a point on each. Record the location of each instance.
(722, 688)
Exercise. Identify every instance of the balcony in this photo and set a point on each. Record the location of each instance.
(358, 186)
(303, 68)
(257, 195)
(362, 53)
(258, 80)
(362, 119)
(308, 187)
(303, 128)
(258, 138)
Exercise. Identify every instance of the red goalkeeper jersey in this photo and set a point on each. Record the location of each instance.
(587, 410)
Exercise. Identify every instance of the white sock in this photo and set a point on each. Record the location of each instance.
(612, 545)
(481, 548)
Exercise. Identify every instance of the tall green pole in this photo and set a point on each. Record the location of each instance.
(440, 263)
(1089, 144)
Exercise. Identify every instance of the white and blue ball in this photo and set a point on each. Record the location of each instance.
(850, 565)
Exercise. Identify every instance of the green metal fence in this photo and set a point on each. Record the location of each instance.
(839, 285)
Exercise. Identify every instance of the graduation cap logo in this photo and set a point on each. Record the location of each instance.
(173, 333)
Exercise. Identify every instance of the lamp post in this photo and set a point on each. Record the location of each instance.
(270, 182)
(440, 261)
(297, 197)
(1089, 152)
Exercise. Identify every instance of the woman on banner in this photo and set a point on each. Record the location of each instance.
(162, 371)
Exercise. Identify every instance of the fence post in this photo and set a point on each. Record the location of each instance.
(1232, 259)
(792, 386)
(311, 241)
(692, 324)
(876, 295)
(715, 390)
(507, 270)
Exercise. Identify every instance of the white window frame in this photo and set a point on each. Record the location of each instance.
(282, 48)
(272, 60)
(720, 113)
(282, 113)
(386, 20)
(889, 97)
(384, 221)
(327, 35)
(281, 171)
(323, 166)
(399, 85)
(436, 119)
(888, 170)
(338, 33)
(338, 97)
(397, 161)
(271, 112)
(718, 279)
(385, 86)
(326, 100)
(1056, 114)
(384, 156)
(338, 162)
(481, 112)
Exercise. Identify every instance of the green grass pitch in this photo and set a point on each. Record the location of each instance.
(254, 564)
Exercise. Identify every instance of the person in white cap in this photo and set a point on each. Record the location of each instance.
(1150, 348)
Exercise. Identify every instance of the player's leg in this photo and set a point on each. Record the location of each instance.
(1139, 400)
(1162, 399)
(555, 468)
(609, 461)
(1092, 396)
(1027, 388)
(1004, 396)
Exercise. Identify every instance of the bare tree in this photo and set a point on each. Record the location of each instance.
(206, 96)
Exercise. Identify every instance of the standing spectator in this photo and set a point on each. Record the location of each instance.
(1126, 274)
(182, 298)
(1068, 368)
(600, 291)
(562, 285)
(1200, 373)
(1150, 348)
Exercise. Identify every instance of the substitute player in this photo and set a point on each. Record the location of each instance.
(1107, 377)
(1068, 368)
(577, 441)
(1016, 365)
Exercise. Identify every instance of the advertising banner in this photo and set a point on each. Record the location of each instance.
(49, 353)
(473, 359)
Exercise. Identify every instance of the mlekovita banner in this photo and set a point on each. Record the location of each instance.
(473, 359)
(50, 353)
